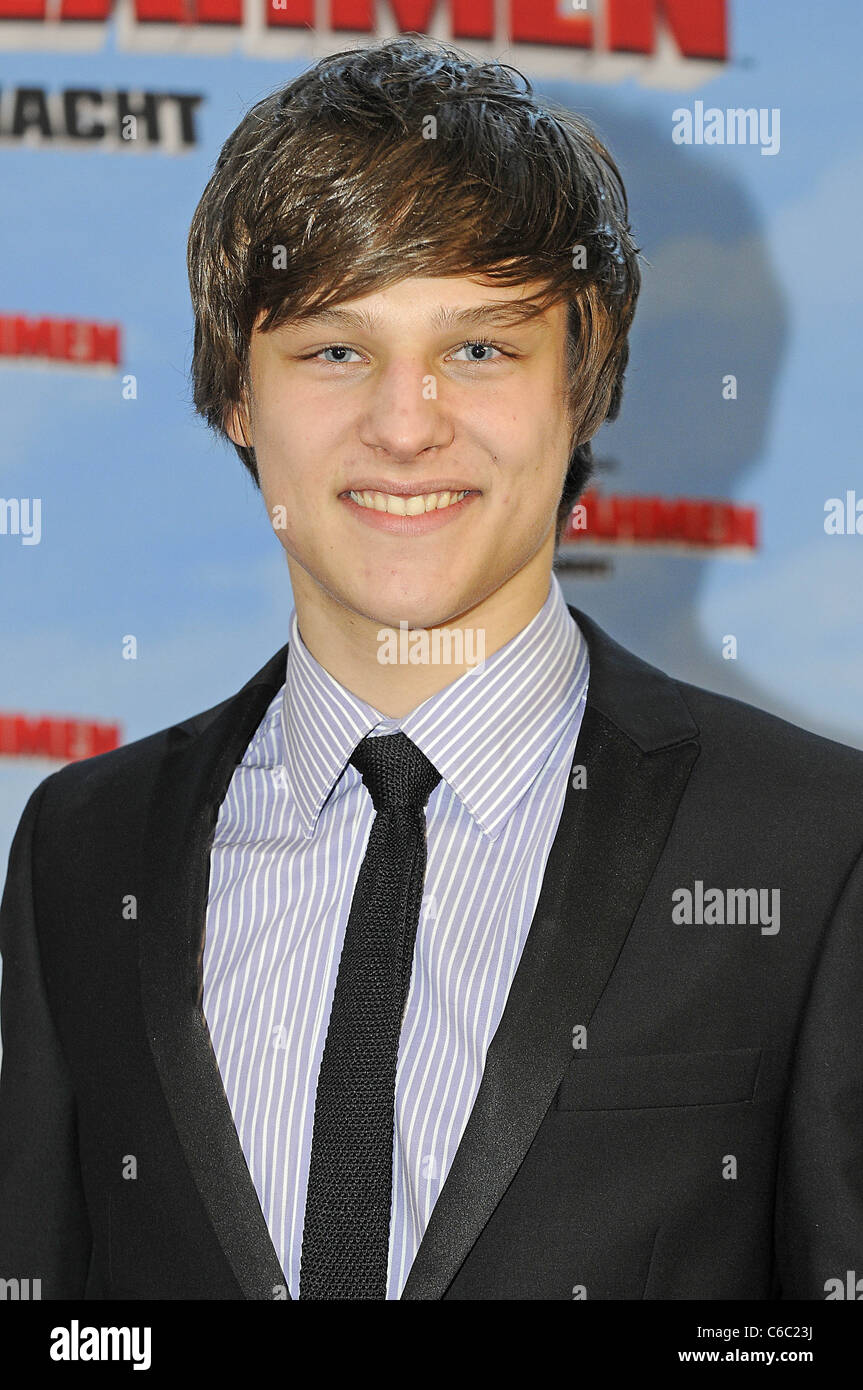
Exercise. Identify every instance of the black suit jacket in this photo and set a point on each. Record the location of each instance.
(706, 1142)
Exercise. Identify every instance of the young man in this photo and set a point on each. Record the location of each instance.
(526, 972)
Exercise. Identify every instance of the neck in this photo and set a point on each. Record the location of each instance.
(420, 661)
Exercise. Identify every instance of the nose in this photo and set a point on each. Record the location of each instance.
(402, 413)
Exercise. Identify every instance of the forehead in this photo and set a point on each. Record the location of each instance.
(436, 303)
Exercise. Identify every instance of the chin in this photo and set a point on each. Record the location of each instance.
(419, 610)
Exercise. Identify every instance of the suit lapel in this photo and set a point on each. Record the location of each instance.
(191, 783)
(636, 745)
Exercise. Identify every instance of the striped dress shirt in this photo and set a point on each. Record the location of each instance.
(290, 837)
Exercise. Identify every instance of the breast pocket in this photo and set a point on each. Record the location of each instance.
(657, 1080)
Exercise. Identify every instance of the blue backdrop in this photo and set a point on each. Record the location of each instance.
(150, 528)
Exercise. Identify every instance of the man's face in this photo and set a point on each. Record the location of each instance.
(370, 420)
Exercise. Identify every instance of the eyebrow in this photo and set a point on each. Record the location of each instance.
(501, 312)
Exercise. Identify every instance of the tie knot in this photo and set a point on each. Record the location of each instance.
(395, 771)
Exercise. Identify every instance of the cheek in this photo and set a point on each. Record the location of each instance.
(532, 463)
(288, 455)
(289, 420)
(279, 445)
(286, 496)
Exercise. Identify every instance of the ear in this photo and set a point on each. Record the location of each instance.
(237, 425)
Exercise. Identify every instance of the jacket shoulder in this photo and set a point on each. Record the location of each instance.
(777, 775)
(748, 758)
(128, 772)
(132, 765)
(721, 716)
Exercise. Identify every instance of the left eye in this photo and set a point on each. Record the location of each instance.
(336, 347)
(485, 348)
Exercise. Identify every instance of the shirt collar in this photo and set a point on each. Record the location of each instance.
(489, 733)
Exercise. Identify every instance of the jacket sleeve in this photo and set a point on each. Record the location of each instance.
(819, 1212)
(44, 1229)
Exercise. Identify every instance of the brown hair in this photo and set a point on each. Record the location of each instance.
(344, 170)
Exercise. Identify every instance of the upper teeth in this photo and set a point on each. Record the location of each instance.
(407, 506)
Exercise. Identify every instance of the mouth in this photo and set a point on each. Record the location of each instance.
(407, 504)
(408, 511)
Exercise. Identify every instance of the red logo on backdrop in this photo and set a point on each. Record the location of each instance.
(693, 523)
(80, 341)
(28, 736)
(697, 29)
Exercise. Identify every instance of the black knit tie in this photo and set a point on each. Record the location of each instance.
(347, 1220)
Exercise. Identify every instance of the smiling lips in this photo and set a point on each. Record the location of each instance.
(401, 509)
(412, 505)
